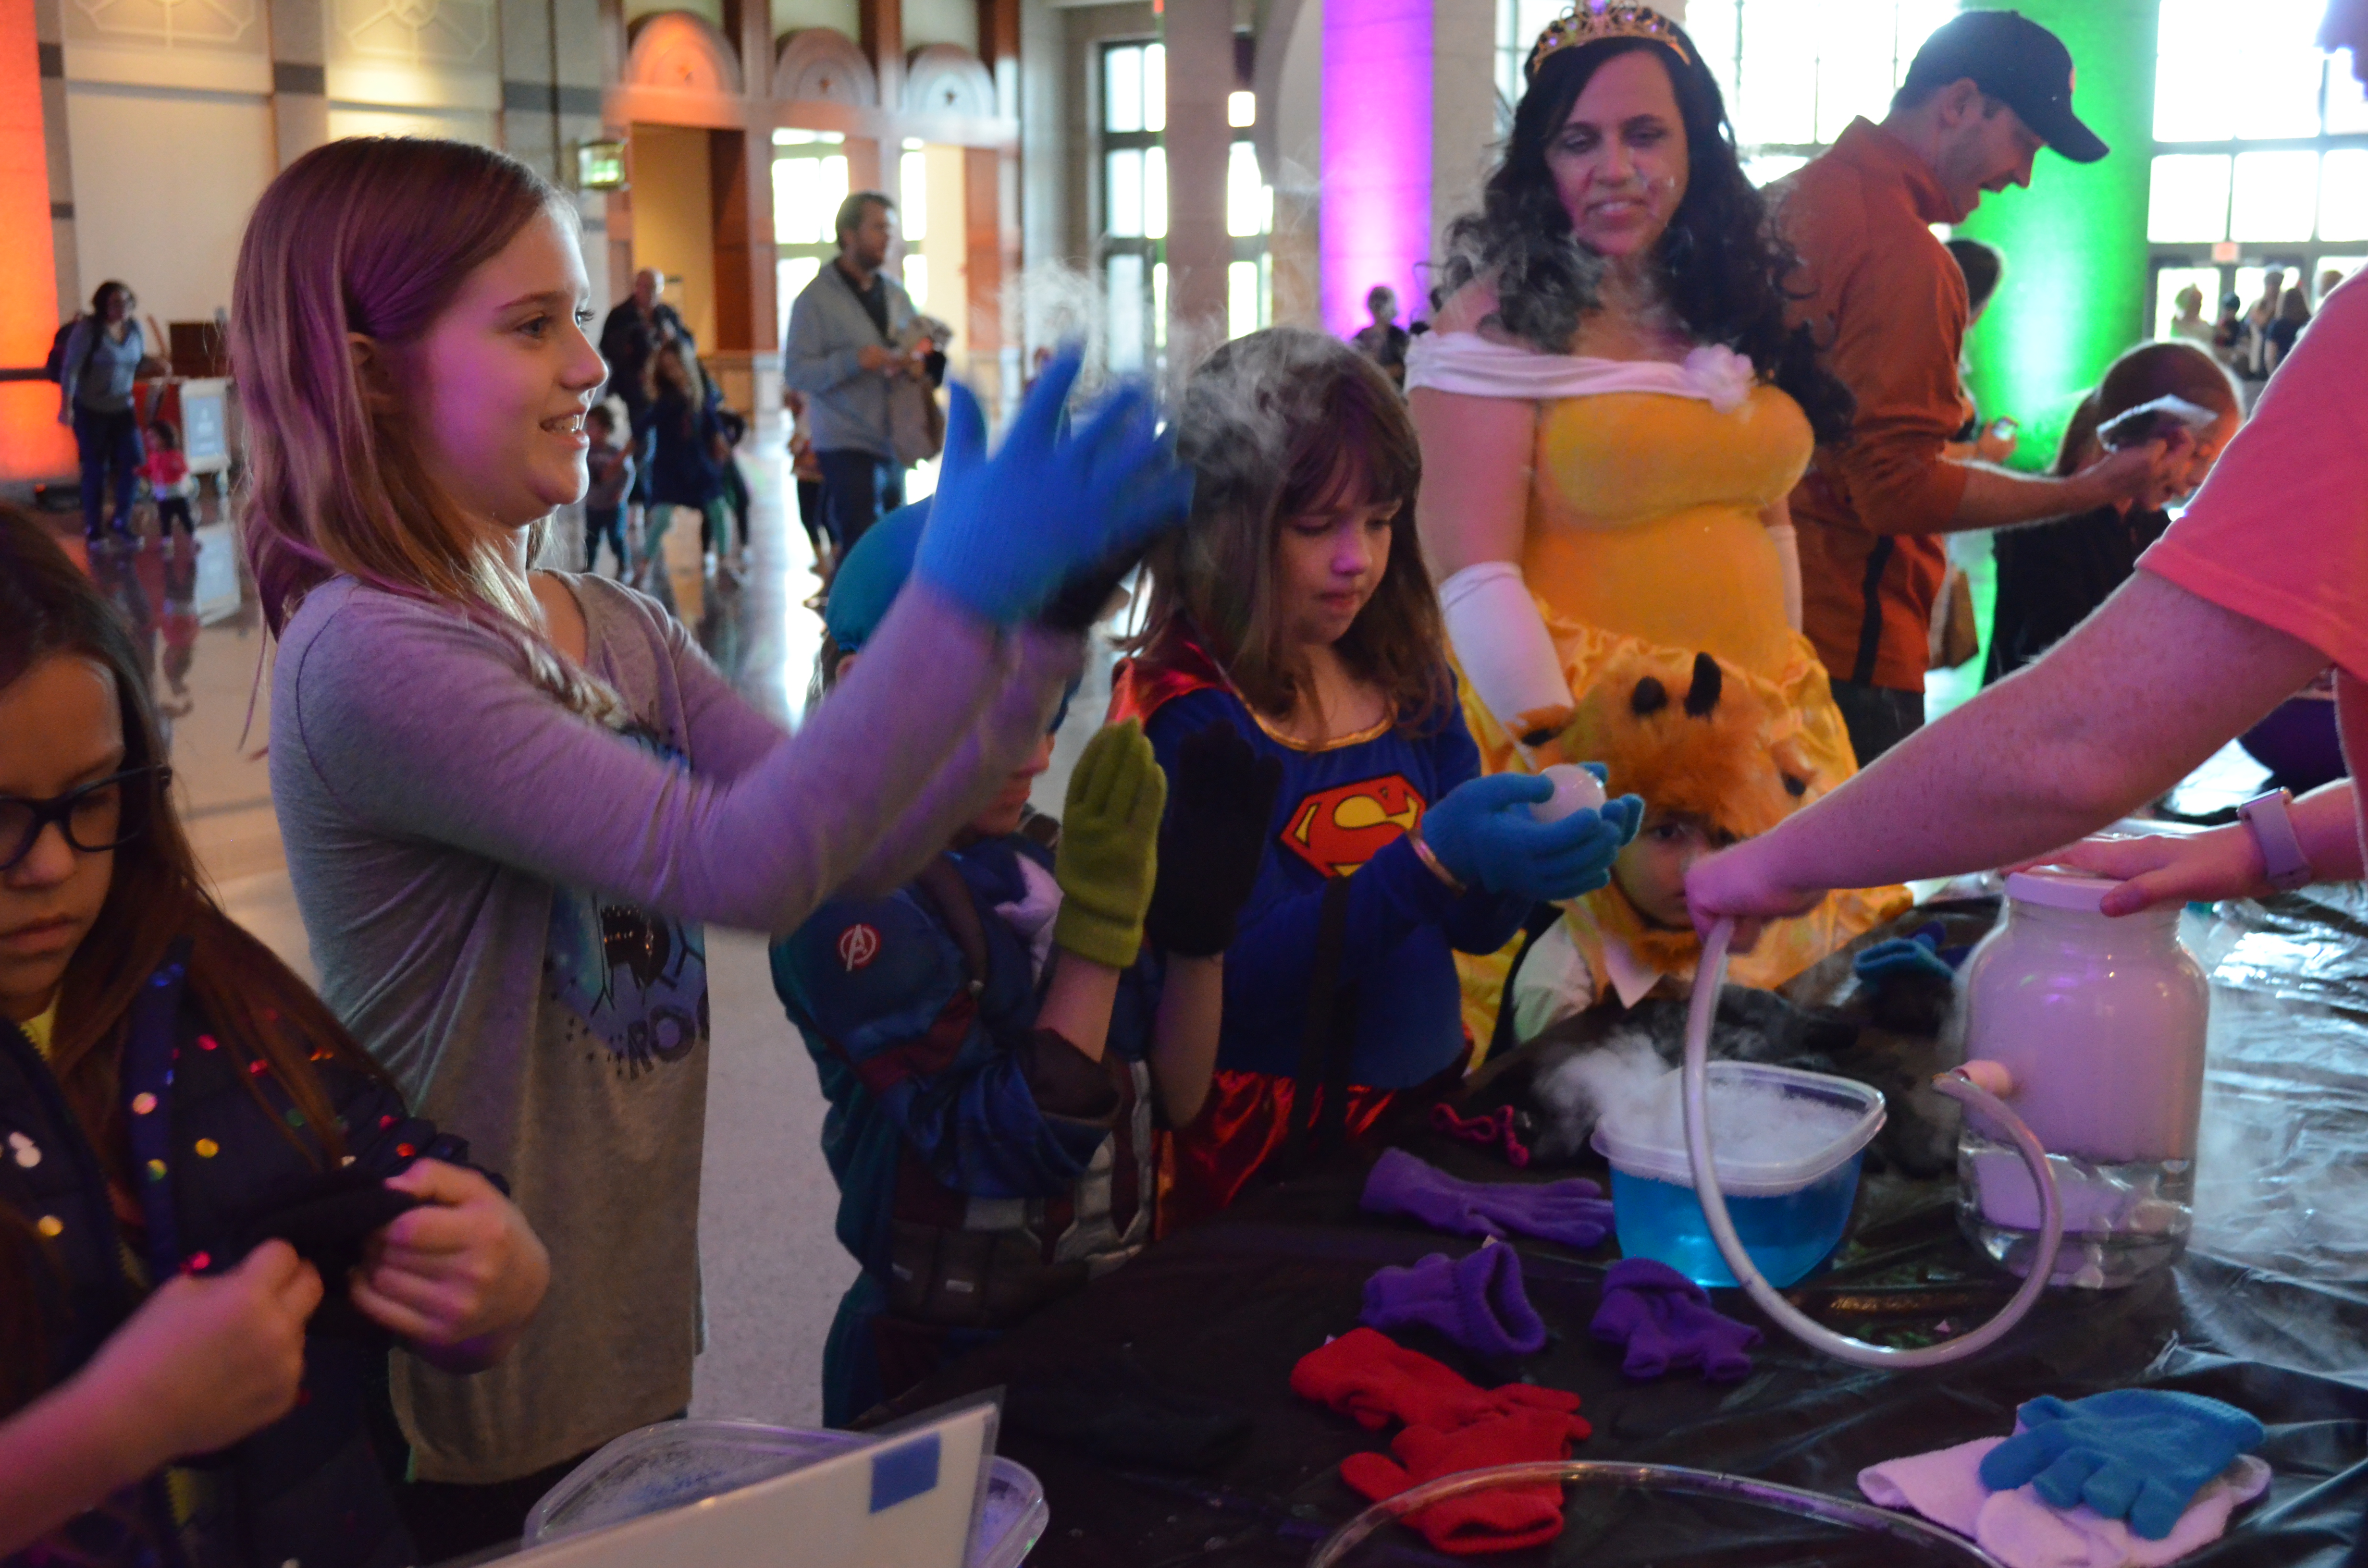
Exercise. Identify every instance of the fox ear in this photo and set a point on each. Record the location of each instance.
(1702, 696)
(1651, 697)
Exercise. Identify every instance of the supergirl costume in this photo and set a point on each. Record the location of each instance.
(1340, 995)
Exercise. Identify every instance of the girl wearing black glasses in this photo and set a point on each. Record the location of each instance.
(215, 1212)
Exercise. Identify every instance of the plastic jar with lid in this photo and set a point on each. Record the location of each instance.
(2101, 1022)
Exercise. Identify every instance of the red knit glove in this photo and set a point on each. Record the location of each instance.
(1366, 1375)
(1504, 1518)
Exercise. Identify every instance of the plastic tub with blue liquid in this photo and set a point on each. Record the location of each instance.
(1789, 1145)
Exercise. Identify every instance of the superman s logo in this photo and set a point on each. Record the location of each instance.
(1337, 830)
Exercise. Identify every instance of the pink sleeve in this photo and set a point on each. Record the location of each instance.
(2279, 533)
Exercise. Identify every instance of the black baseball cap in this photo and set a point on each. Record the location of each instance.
(2015, 60)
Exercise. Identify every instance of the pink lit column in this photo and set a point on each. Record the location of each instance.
(1375, 223)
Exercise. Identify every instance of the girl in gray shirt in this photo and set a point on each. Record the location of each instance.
(510, 802)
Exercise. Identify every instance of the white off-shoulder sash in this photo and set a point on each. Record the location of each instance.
(1473, 366)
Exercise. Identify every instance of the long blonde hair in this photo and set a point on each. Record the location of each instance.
(374, 236)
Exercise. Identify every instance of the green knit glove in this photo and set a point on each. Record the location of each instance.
(1110, 847)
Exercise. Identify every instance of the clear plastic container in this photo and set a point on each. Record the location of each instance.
(676, 1463)
(1789, 1145)
(2101, 1022)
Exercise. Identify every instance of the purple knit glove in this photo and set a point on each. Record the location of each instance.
(1477, 1301)
(1574, 1213)
(1665, 1320)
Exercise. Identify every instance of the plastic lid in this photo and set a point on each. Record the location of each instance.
(1647, 1137)
(2053, 887)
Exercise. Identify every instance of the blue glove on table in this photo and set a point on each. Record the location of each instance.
(1006, 532)
(1482, 831)
(1574, 1213)
(2139, 1454)
(1918, 954)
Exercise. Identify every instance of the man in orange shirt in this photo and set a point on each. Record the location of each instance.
(1888, 307)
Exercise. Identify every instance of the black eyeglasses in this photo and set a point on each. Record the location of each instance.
(92, 818)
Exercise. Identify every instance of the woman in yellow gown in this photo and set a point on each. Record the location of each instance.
(1613, 414)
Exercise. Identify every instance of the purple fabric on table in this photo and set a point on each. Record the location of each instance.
(1573, 1213)
(1665, 1321)
(1477, 1301)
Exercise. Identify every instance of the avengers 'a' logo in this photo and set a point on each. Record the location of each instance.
(1340, 829)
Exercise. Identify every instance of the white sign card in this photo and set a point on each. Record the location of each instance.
(906, 1501)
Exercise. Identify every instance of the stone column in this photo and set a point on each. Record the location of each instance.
(1199, 143)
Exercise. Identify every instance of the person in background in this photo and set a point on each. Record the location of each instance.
(611, 468)
(1983, 266)
(2228, 331)
(511, 800)
(1295, 610)
(686, 418)
(167, 473)
(1988, 90)
(2053, 575)
(630, 339)
(2252, 357)
(2261, 584)
(2293, 314)
(2327, 280)
(105, 356)
(807, 471)
(1383, 341)
(2187, 321)
(841, 352)
(173, 1096)
(989, 1039)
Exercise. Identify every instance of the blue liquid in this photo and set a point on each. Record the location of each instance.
(1787, 1236)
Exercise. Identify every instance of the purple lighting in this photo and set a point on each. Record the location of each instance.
(1375, 205)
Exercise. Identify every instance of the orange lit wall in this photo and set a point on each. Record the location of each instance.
(33, 445)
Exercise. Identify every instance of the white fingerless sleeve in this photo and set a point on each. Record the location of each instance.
(1788, 555)
(1503, 649)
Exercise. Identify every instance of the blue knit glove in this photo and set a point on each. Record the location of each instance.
(1919, 953)
(1483, 832)
(1006, 532)
(2139, 1454)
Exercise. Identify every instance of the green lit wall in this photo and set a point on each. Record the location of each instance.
(2076, 283)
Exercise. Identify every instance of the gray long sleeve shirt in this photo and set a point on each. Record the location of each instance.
(503, 901)
(847, 405)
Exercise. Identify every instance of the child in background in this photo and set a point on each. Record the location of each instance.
(989, 1044)
(1295, 607)
(611, 468)
(177, 1106)
(2052, 576)
(167, 473)
(510, 798)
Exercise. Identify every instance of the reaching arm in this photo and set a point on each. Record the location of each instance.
(2224, 863)
(1778, 520)
(1472, 513)
(464, 752)
(2147, 688)
(1184, 1035)
(1997, 498)
(1005, 732)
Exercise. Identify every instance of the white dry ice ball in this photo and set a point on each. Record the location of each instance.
(1576, 789)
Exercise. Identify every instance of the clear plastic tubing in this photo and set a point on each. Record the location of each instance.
(1707, 979)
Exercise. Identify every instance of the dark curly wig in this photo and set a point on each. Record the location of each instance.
(1723, 264)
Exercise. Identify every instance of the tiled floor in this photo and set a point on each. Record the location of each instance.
(771, 1268)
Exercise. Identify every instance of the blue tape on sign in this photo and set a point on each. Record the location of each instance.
(905, 1472)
